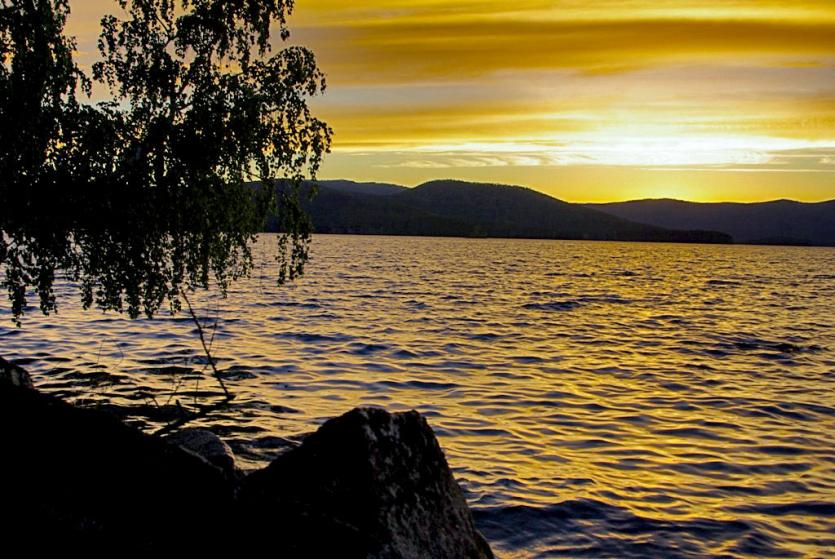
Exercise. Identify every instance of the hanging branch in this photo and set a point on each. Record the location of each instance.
(228, 395)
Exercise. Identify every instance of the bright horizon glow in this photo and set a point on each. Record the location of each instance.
(585, 101)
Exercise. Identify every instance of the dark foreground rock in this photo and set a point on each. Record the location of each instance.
(367, 484)
(77, 479)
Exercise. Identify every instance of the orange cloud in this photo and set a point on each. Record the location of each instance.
(586, 100)
(418, 51)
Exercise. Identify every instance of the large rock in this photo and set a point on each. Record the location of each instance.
(366, 484)
(81, 480)
(14, 375)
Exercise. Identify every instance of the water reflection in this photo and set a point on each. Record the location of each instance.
(595, 399)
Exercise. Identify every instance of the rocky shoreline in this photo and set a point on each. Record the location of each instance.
(365, 484)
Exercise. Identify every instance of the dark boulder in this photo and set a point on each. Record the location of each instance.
(80, 479)
(366, 484)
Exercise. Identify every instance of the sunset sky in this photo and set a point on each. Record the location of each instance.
(586, 101)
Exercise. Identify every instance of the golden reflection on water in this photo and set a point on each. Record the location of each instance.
(602, 399)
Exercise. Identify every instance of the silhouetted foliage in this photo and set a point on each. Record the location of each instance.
(146, 195)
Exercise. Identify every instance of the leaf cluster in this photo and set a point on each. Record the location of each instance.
(148, 194)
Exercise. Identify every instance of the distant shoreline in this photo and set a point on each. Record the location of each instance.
(488, 238)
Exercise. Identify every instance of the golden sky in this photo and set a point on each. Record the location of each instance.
(587, 101)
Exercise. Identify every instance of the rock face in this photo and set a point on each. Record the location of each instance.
(14, 375)
(206, 445)
(81, 480)
(366, 484)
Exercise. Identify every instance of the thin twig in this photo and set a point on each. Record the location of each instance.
(178, 382)
(229, 395)
(189, 417)
(214, 328)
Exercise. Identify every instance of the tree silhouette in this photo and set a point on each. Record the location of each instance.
(147, 195)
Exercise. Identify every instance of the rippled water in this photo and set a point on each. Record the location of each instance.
(594, 399)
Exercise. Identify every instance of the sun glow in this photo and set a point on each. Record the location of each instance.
(613, 148)
(582, 100)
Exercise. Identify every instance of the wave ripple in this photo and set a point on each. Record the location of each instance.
(595, 399)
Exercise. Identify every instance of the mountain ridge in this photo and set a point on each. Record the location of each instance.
(774, 222)
(779, 221)
(464, 209)
(729, 202)
(345, 184)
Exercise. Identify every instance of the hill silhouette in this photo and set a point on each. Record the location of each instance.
(456, 208)
(778, 222)
(514, 211)
(378, 188)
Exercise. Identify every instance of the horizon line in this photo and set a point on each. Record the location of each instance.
(621, 201)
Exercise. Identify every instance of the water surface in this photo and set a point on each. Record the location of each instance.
(594, 399)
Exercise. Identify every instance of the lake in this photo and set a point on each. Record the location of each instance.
(594, 399)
